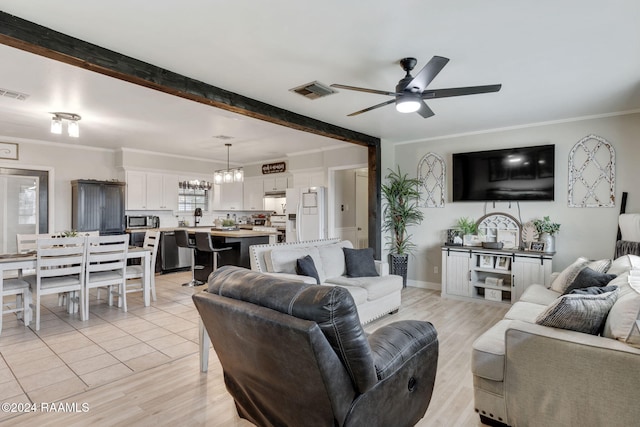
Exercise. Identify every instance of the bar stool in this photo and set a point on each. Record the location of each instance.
(204, 244)
(182, 240)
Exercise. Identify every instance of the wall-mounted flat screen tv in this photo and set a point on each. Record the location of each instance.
(523, 173)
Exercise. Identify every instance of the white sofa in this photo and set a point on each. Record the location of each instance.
(526, 374)
(374, 296)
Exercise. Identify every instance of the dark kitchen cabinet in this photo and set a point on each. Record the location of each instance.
(98, 205)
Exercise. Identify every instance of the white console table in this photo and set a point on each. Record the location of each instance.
(475, 273)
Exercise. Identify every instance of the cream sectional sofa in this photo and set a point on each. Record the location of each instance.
(525, 374)
(374, 296)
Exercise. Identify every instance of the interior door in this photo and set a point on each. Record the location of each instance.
(19, 212)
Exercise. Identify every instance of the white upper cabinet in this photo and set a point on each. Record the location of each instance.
(228, 196)
(280, 183)
(151, 191)
(253, 195)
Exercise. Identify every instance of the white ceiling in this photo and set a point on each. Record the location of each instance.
(555, 60)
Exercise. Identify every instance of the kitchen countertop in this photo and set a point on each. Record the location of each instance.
(223, 233)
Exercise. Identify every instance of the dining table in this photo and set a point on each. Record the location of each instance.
(27, 261)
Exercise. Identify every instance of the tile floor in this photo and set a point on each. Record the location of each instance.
(68, 356)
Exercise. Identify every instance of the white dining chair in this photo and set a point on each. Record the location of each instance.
(151, 242)
(18, 288)
(59, 269)
(105, 266)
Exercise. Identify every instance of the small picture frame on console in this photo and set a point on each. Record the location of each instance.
(487, 261)
(503, 262)
(536, 246)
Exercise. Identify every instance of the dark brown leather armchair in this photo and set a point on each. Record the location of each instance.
(295, 354)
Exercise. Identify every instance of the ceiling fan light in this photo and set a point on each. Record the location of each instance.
(407, 104)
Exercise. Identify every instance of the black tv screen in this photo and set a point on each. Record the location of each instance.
(524, 173)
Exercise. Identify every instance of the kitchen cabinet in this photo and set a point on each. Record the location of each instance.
(151, 191)
(308, 179)
(271, 184)
(253, 195)
(98, 205)
(228, 196)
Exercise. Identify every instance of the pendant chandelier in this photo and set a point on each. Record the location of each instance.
(228, 175)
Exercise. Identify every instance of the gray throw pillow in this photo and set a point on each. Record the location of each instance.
(306, 267)
(360, 262)
(594, 290)
(588, 278)
(581, 313)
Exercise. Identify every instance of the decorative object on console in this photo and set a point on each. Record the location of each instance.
(487, 261)
(592, 173)
(536, 246)
(503, 263)
(401, 210)
(432, 172)
(529, 234)
(547, 231)
(468, 228)
(492, 245)
(494, 281)
(454, 237)
(500, 227)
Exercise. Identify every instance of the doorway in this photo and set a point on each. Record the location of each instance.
(348, 205)
(24, 196)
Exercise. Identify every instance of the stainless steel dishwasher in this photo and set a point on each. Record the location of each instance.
(173, 257)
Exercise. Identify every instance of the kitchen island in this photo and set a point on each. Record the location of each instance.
(239, 242)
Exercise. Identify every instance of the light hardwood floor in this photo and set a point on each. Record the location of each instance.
(155, 380)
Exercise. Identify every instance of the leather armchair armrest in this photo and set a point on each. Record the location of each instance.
(392, 345)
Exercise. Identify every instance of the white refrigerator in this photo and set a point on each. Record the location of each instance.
(306, 214)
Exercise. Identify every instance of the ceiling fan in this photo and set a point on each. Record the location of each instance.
(411, 91)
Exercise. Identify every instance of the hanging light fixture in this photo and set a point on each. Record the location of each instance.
(228, 175)
(73, 127)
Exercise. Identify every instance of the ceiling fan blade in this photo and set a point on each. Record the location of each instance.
(459, 91)
(425, 111)
(382, 104)
(361, 89)
(428, 73)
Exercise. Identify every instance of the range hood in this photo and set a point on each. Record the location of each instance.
(275, 194)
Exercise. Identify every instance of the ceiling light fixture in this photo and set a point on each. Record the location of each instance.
(228, 175)
(73, 128)
(408, 103)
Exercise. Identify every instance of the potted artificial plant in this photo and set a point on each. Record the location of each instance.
(546, 232)
(467, 228)
(401, 195)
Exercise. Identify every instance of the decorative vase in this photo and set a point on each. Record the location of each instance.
(398, 266)
(549, 241)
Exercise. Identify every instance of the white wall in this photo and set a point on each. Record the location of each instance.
(67, 162)
(589, 232)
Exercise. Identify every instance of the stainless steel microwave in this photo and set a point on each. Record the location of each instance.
(139, 221)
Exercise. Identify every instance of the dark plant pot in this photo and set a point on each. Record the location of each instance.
(398, 265)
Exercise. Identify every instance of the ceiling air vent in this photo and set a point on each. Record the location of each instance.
(13, 94)
(223, 137)
(313, 90)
